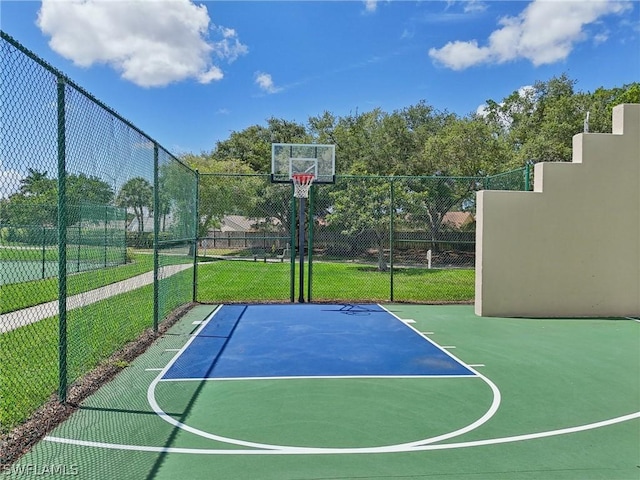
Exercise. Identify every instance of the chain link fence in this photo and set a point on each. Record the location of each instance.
(98, 228)
(367, 238)
(95, 239)
(101, 231)
(245, 253)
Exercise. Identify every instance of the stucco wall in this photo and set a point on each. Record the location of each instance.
(570, 248)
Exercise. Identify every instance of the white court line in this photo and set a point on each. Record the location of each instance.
(448, 346)
(171, 349)
(420, 448)
(197, 322)
(408, 320)
(483, 419)
(426, 333)
(412, 447)
(477, 365)
(153, 369)
(310, 377)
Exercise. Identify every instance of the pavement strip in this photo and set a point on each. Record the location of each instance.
(19, 318)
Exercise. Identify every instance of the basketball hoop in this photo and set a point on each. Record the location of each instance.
(302, 183)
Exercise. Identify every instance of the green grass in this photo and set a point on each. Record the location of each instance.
(237, 281)
(29, 355)
(26, 294)
(84, 253)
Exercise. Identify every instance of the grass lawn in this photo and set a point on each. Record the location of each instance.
(29, 355)
(26, 294)
(237, 281)
(50, 253)
(240, 280)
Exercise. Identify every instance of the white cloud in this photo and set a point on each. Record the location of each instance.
(474, 6)
(468, 6)
(406, 33)
(9, 181)
(214, 73)
(265, 82)
(230, 47)
(545, 32)
(370, 6)
(151, 43)
(600, 38)
(460, 55)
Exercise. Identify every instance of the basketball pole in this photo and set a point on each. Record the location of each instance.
(301, 216)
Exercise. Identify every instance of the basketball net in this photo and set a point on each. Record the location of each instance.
(302, 183)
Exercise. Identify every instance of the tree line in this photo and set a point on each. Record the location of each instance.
(533, 124)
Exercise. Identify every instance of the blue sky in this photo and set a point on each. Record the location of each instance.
(189, 73)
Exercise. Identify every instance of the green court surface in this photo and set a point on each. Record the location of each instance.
(551, 399)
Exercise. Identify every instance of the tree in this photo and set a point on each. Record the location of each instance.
(462, 147)
(36, 202)
(538, 123)
(252, 146)
(428, 199)
(88, 189)
(36, 183)
(178, 198)
(600, 103)
(245, 152)
(137, 194)
(363, 207)
(226, 187)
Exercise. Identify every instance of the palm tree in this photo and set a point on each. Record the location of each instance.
(136, 193)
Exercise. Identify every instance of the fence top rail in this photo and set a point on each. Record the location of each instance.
(509, 172)
(379, 177)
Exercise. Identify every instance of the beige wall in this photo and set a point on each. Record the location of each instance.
(570, 248)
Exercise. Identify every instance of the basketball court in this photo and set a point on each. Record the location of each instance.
(347, 389)
(364, 391)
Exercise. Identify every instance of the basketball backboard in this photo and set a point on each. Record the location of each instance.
(290, 158)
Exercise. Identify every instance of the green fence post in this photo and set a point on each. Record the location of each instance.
(527, 173)
(196, 235)
(292, 247)
(391, 235)
(78, 240)
(44, 249)
(156, 227)
(123, 214)
(62, 244)
(106, 220)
